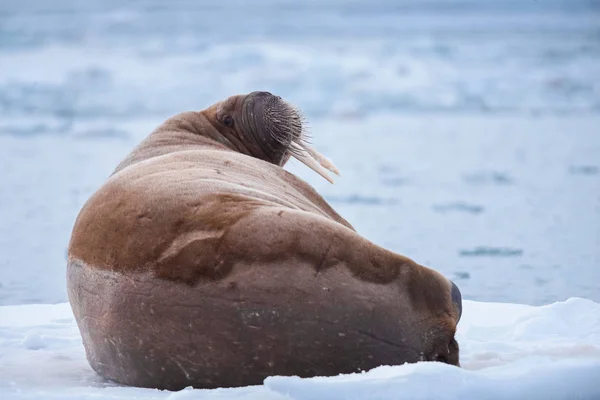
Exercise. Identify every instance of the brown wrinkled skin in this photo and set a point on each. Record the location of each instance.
(199, 264)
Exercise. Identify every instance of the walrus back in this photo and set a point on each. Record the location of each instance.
(144, 212)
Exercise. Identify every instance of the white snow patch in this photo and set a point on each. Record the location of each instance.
(508, 351)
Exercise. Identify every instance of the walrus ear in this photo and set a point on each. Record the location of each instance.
(313, 160)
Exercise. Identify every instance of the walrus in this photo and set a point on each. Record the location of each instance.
(202, 262)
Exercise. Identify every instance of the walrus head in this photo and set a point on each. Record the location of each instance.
(267, 127)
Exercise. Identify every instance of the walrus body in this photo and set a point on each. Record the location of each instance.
(203, 263)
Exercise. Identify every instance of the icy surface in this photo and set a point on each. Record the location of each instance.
(507, 352)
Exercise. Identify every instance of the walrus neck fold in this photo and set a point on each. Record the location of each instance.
(185, 131)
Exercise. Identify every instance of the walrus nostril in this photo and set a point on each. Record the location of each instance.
(457, 299)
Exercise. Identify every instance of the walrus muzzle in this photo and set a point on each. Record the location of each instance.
(278, 128)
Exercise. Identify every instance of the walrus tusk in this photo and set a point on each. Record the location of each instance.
(313, 160)
(321, 159)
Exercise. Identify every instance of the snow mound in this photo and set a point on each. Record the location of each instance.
(508, 351)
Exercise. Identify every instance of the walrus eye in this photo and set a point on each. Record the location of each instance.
(228, 121)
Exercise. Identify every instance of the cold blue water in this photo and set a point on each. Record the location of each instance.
(467, 132)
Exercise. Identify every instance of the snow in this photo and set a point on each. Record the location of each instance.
(508, 351)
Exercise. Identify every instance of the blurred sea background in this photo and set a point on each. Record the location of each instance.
(467, 132)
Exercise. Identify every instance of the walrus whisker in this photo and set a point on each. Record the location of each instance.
(288, 128)
(284, 132)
